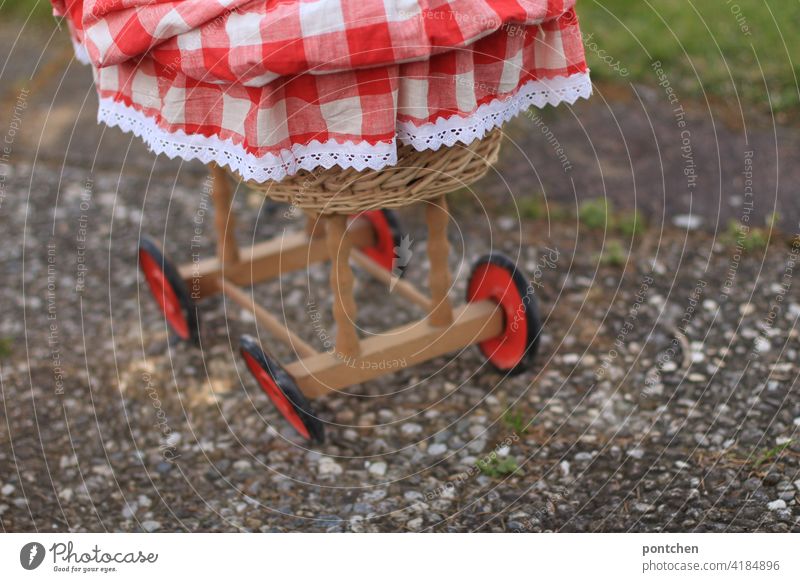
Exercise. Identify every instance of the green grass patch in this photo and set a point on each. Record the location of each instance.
(560, 213)
(631, 224)
(595, 213)
(614, 254)
(749, 238)
(599, 214)
(711, 47)
(532, 207)
(5, 347)
(515, 421)
(38, 10)
(771, 454)
(495, 467)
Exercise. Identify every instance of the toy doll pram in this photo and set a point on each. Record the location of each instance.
(414, 115)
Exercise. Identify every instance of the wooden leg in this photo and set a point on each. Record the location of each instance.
(313, 224)
(344, 305)
(436, 215)
(227, 248)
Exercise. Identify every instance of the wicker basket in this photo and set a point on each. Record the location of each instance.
(417, 176)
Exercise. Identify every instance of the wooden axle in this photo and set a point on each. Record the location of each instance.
(397, 349)
(265, 318)
(267, 260)
(401, 287)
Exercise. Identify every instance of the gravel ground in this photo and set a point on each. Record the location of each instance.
(663, 398)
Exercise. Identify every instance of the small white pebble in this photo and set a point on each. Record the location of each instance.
(411, 428)
(412, 496)
(762, 345)
(173, 439)
(129, 510)
(669, 366)
(327, 466)
(570, 359)
(776, 505)
(476, 430)
(437, 449)
(378, 469)
(468, 461)
(687, 221)
(507, 223)
(449, 493)
(242, 465)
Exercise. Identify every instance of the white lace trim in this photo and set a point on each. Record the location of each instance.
(456, 129)
(362, 155)
(188, 147)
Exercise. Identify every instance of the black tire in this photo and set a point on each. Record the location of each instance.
(285, 385)
(148, 248)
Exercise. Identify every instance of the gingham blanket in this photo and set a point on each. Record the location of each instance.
(271, 87)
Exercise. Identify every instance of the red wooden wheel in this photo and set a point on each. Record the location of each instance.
(388, 239)
(282, 390)
(169, 291)
(496, 278)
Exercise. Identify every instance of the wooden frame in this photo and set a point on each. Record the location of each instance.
(263, 261)
(353, 360)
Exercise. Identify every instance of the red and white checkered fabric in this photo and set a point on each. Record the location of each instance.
(269, 88)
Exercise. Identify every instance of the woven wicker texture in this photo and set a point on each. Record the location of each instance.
(417, 176)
